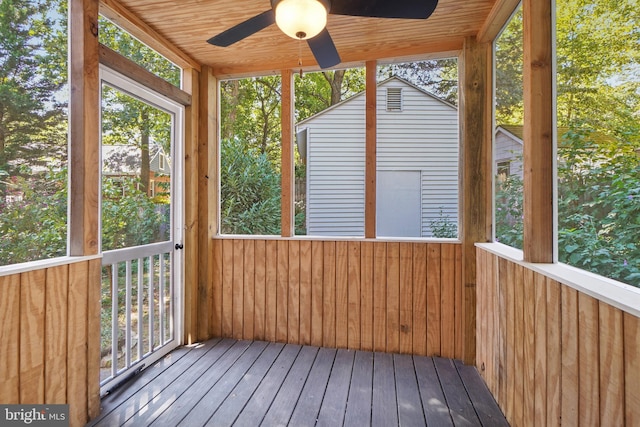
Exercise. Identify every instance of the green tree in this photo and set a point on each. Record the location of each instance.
(598, 62)
(30, 110)
(250, 111)
(316, 92)
(598, 67)
(33, 130)
(509, 106)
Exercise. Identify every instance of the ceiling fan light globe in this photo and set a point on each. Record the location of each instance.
(301, 19)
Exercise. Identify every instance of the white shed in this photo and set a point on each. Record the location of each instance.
(417, 163)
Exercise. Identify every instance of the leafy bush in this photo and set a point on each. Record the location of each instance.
(443, 226)
(250, 191)
(509, 214)
(35, 227)
(598, 207)
(130, 217)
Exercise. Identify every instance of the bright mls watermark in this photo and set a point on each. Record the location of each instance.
(34, 415)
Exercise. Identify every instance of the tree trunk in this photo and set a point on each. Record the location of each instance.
(145, 160)
(3, 166)
(335, 80)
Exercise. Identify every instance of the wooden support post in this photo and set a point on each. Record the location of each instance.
(371, 142)
(208, 198)
(84, 128)
(83, 388)
(191, 79)
(475, 117)
(287, 153)
(539, 131)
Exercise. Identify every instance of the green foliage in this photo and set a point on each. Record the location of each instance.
(250, 191)
(509, 108)
(598, 100)
(31, 76)
(443, 226)
(128, 46)
(316, 92)
(508, 210)
(598, 205)
(130, 217)
(250, 112)
(300, 217)
(598, 63)
(33, 130)
(35, 227)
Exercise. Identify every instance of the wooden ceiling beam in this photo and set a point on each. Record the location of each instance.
(500, 14)
(124, 18)
(384, 55)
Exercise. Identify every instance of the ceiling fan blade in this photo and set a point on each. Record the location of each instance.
(244, 29)
(405, 9)
(324, 50)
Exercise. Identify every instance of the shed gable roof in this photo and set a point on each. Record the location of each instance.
(379, 85)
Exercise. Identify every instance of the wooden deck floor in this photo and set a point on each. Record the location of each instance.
(225, 382)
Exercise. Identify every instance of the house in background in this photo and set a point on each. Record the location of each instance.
(124, 161)
(508, 150)
(509, 144)
(417, 163)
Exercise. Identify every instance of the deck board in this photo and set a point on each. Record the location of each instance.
(361, 390)
(310, 400)
(385, 406)
(458, 401)
(215, 396)
(285, 401)
(186, 389)
(410, 411)
(335, 399)
(434, 404)
(243, 383)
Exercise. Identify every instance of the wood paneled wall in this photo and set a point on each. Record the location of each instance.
(48, 355)
(383, 296)
(551, 354)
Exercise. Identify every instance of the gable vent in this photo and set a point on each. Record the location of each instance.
(394, 99)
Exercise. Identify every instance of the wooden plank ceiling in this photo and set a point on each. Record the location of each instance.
(189, 23)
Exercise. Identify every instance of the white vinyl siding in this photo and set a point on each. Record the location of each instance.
(423, 137)
(508, 148)
(335, 171)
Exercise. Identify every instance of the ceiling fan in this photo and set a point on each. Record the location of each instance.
(307, 20)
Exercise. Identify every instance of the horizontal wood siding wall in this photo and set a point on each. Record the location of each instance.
(382, 296)
(552, 355)
(48, 354)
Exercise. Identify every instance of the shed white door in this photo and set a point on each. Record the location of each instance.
(398, 202)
